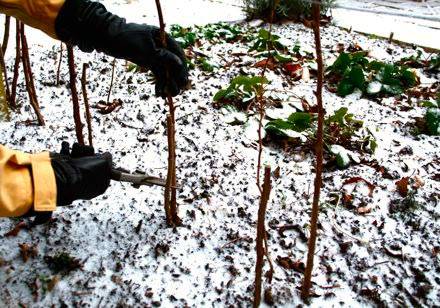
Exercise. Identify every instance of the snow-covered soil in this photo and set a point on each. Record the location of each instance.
(130, 258)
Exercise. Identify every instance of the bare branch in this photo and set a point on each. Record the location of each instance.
(111, 81)
(16, 64)
(319, 155)
(6, 34)
(86, 103)
(59, 64)
(75, 100)
(170, 191)
(28, 76)
(261, 234)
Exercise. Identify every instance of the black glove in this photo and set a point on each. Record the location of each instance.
(80, 174)
(90, 26)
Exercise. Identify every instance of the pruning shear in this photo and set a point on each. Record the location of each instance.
(137, 179)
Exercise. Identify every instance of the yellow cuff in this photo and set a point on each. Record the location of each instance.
(45, 187)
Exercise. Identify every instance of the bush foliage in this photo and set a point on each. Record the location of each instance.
(286, 9)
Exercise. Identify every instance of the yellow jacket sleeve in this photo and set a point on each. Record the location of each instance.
(26, 181)
(40, 14)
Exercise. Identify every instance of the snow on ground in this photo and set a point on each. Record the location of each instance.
(130, 258)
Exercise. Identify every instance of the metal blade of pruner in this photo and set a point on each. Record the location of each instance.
(137, 179)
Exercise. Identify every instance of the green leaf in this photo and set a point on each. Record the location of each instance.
(376, 65)
(132, 68)
(429, 104)
(300, 120)
(221, 94)
(282, 59)
(392, 89)
(434, 62)
(409, 78)
(248, 81)
(341, 63)
(386, 74)
(339, 116)
(359, 58)
(345, 88)
(342, 156)
(372, 144)
(264, 34)
(278, 127)
(357, 77)
(206, 65)
(432, 119)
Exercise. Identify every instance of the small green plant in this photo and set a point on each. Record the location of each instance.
(241, 91)
(297, 122)
(286, 9)
(266, 41)
(418, 61)
(434, 63)
(47, 283)
(430, 123)
(184, 36)
(390, 79)
(408, 204)
(432, 119)
(353, 71)
(62, 262)
(217, 32)
(223, 31)
(343, 134)
(206, 65)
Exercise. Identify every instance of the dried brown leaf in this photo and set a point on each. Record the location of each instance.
(269, 63)
(106, 108)
(289, 264)
(28, 251)
(355, 180)
(14, 232)
(402, 186)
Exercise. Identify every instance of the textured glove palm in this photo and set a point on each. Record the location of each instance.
(90, 26)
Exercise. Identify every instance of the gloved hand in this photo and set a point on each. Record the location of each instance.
(90, 26)
(80, 174)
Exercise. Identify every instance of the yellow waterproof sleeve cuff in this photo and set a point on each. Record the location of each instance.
(45, 186)
(26, 181)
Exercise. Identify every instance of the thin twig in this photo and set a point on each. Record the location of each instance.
(161, 23)
(260, 99)
(86, 103)
(16, 64)
(59, 64)
(74, 92)
(319, 155)
(111, 81)
(261, 233)
(5, 73)
(170, 198)
(28, 76)
(6, 34)
(238, 239)
(262, 114)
